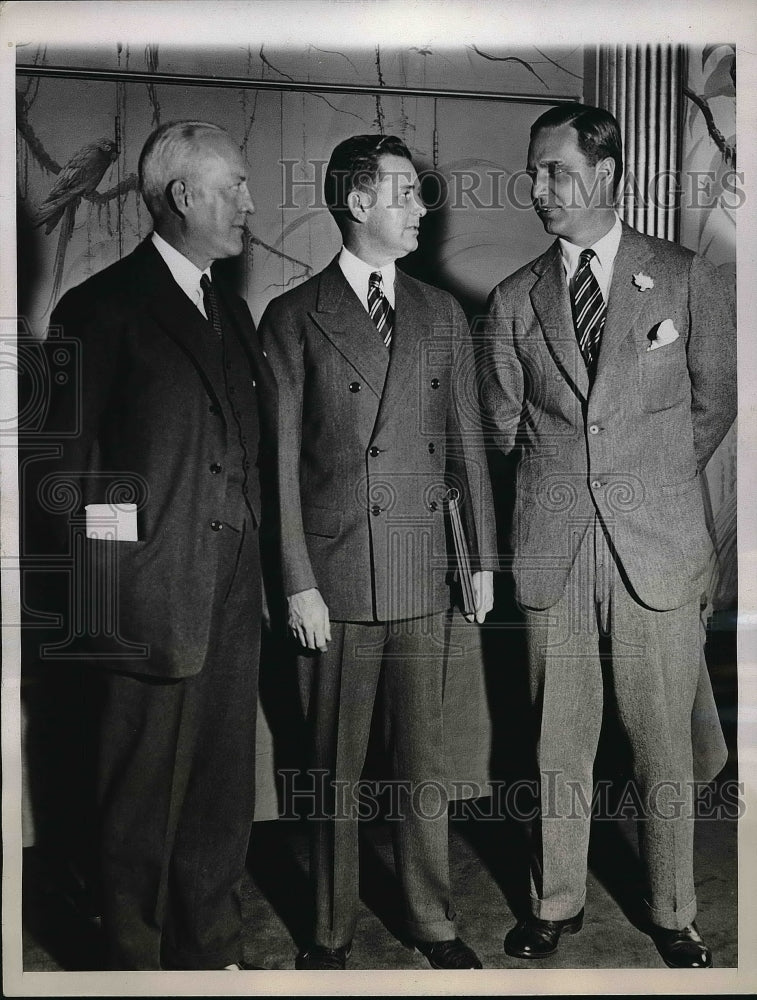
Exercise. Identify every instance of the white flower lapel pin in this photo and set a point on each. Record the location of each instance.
(643, 282)
(663, 334)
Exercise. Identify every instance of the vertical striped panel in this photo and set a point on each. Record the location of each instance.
(641, 86)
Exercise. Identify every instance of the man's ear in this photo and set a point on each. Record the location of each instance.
(605, 173)
(358, 203)
(177, 197)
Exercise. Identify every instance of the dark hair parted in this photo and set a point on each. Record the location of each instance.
(354, 166)
(598, 132)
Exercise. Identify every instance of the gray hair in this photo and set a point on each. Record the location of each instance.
(166, 156)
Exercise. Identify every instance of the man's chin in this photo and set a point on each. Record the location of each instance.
(549, 221)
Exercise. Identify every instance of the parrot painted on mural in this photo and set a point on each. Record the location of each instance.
(79, 176)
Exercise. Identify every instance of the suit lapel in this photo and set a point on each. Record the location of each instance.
(625, 301)
(409, 329)
(244, 330)
(344, 320)
(551, 303)
(179, 318)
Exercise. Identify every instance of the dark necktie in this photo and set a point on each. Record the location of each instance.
(211, 304)
(379, 309)
(589, 309)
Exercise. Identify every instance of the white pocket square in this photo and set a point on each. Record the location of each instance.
(665, 334)
(116, 522)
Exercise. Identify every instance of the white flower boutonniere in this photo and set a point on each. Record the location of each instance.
(662, 335)
(642, 281)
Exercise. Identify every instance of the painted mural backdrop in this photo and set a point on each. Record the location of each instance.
(712, 198)
(78, 144)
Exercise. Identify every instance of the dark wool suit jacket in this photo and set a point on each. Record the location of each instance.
(629, 448)
(153, 426)
(370, 440)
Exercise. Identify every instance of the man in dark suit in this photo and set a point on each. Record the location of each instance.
(611, 360)
(378, 420)
(176, 403)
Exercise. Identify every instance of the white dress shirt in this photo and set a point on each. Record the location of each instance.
(357, 273)
(186, 274)
(602, 264)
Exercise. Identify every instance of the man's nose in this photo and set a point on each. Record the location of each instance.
(248, 203)
(420, 208)
(538, 186)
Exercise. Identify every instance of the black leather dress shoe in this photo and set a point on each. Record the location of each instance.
(682, 949)
(535, 938)
(454, 954)
(328, 959)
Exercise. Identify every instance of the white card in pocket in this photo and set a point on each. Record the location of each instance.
(116, 522)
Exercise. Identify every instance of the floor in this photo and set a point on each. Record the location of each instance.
(488, 859)
(488, 870)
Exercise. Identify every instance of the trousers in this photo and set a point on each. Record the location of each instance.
(177, 788)
(599, 644)
(338, 690)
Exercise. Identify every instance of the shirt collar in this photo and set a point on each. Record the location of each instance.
(358, 273)
(186, 274)
(606, 249)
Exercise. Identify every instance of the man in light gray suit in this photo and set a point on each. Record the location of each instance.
(611, 360)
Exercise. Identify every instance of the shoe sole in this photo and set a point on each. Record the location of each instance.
(573, 928)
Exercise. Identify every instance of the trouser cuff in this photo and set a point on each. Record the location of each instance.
(674, 920)
(562, 908)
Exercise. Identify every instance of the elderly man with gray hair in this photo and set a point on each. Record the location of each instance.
(177, 401)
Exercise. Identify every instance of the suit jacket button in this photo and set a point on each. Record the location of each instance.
(596, 485)
(433, 505)
(373, 451)
(254, 383)
(215, 468)
(355, 387)
(376, 510)
(431, 447)
(214, 410)
(216, 525)
(593, 429)
(435, 383)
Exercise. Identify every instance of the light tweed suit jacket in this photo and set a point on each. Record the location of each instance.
(631, 447)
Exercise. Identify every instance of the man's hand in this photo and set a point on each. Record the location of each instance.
(309, 619)
(483, 595)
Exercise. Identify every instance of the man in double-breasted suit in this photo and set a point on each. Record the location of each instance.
(177, 404)
(611, 360)
(378, 420)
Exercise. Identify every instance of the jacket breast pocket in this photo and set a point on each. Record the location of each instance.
(321, 521)
(664, 377)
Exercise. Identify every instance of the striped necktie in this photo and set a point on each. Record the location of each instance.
(589, 310)
(211, 304)
(379, 309)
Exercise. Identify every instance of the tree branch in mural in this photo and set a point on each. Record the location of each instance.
(727, 150)
(379, 119)
(515, 59)
(720, 83)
